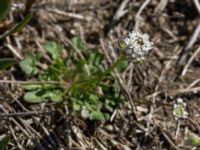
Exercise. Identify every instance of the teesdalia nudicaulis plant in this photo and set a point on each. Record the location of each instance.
(135, 46)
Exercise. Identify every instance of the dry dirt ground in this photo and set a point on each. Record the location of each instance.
(171, 71)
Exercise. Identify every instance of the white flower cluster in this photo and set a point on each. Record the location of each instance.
(136, 45)
(179, 110)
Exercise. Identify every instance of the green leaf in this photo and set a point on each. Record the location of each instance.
(4, 8)
(31, 86)
(76, 106)
(3, 143)
(28, 65)
(78, 43)
(122, 65)
(22, 24)
(56, 96)
(105, 86)
(76, 103)
(54, 49)
(33, 97)
(91, 59)
(18, 27)
(6, 63)
(95, 58)
(52, 73)
(91, 106)
(109, 104)
(93, 97)
(81, 63)
(97, 115)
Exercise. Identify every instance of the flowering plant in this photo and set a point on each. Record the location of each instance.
(84, 79)
(179, 109)
(135, 46)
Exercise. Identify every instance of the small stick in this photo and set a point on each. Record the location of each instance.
(138, 17)
(193, 39)
(33, 82)
(197, 4)
(177, 130)
(14, 51)
(184, 91)
(120, 11)
(190, 61)
(193, 83)
(169, 140)
(175, 92)
(67, 14)
(12, 131)
(42, 51)
(161, 6)
(20, 114)
(17, 124)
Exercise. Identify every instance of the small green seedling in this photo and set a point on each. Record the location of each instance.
(193, 139)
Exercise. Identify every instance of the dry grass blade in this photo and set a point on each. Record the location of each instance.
(192, 41)
(138, 15)
(197, 4)
(190, 61)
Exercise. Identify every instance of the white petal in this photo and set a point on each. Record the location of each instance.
(127, 41)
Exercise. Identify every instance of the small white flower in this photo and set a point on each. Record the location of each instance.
(136, 45)
(84, 112)
(179, 109)
(126, 40)
(17, 6)
(180, 101)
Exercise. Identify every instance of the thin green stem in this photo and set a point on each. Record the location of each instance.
(111, 68)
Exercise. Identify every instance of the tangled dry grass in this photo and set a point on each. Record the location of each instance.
(170, 72)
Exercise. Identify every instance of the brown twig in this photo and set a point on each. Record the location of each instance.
(138, 15)
(17, 124)
(121, 10)
(20, 114)
(34, 82)
(183, 91)
(67, 14)
(167, 137)
(190, 61)
(14, 51)
(193, 39)
(161, 6)
(175, 92)
(197, 4)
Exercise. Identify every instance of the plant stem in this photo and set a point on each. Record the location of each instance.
(111, 68)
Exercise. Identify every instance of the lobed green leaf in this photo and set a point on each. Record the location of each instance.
(4, 8)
